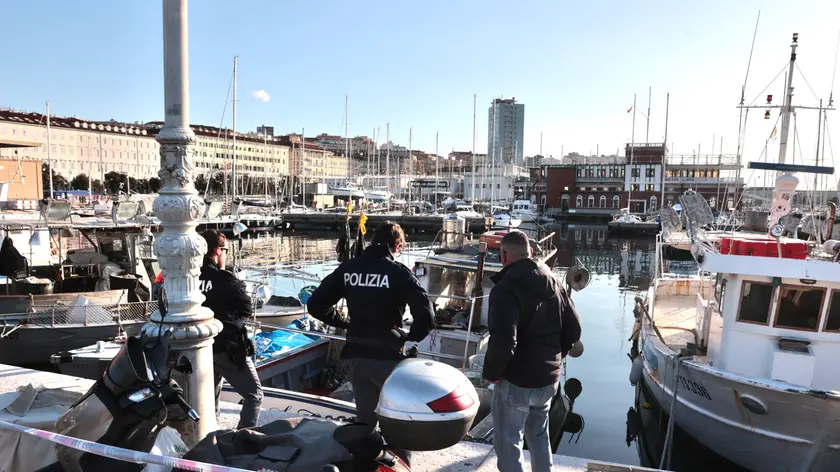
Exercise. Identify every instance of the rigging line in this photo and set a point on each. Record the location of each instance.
(810, 194)
(224, 109)
(806, 81)
(752, 48)
(784, 68)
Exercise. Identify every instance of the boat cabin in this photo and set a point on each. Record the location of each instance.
(762, 317)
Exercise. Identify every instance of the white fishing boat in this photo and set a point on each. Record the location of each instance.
(67, 284)
(346, 191)
(375, 195)
(295, 208)
(505, 220)
(743, 356)
(525, 211)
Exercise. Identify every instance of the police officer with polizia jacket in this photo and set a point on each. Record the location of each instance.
(232, 350)
(377, 289)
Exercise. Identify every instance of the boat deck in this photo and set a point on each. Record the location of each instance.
(675, 318)
(462, 457)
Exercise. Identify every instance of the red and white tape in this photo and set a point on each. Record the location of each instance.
(119, 453)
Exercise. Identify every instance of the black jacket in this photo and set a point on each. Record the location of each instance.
(377, 289)
(228, 298)
(533, 324)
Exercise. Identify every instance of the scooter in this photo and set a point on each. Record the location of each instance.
(126, 407)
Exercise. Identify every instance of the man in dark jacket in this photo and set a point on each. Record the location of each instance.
(377, 289)
(232, 350)
(533, 324)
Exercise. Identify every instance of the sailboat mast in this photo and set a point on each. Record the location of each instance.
(265, 168)
(388, 156)
(786, 108)
(493, 160)
(437, 168)
(302, 151)
(475, 97)
(665, 145)
(410, 163)
(346, 136)
(90, 173)
(632, 146)
(647, 131)
(233, 131)
(49, 151)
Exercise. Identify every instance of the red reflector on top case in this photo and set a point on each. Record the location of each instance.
(454, 401)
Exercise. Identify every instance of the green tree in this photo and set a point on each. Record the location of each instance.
(115, 182)
(154, 184)
(59, 182)
(140, 185)
(97, 186)
(80, 182)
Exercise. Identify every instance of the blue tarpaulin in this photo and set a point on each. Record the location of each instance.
(277, 342)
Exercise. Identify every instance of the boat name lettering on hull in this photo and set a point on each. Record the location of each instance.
(694, 388)
(356, 279)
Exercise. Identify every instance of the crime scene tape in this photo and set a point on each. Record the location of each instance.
(119, 453)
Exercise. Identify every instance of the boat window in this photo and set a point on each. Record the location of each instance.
(833, 321)
(755, 302)
(720, 291)
(799, 307)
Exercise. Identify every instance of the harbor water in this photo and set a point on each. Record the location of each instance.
(620, 268)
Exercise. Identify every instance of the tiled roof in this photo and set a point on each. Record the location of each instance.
(14, 116)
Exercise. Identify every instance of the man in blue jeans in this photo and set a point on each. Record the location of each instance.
(533, 324)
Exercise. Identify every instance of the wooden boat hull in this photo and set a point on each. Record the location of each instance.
(30, 345)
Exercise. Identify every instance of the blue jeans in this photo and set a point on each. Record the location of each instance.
(518, 410)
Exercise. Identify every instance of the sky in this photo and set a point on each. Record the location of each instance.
(417, 65)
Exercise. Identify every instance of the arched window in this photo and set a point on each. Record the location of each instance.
(602, 202)
(579, 201)
(616, 201)
(590, 201)
(652, 203)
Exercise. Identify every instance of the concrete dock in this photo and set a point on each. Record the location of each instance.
(410, 223)
(462, 457)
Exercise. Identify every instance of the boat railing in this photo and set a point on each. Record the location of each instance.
(467, 339)
(546, 244)
(86, 315)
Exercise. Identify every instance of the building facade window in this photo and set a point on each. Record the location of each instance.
(590, 201)
(650, 172)
(602, 202)
(635, 172)
(616, 201)
(579, 201)
(652, 203)
(649, 188)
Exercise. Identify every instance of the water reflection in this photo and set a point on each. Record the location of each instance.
(632, 260)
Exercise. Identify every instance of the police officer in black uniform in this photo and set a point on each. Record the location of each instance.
(232, 350)
(377, 289)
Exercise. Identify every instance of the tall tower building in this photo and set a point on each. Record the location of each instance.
(505, 131)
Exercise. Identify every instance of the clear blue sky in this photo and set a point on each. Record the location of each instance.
(418, 64)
